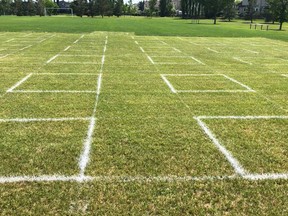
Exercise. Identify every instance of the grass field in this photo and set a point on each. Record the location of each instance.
(106, 122)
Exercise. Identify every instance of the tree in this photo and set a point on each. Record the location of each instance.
(5, 7)
(152, 4)
(92, 8)
(79, 7)
(31, 8)
(213, 7)
(165, 7)
(40, 5)
(118, 8)
(229, 11)
(279, 9)
(251, 9)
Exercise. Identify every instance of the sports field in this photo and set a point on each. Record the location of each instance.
(118, 123)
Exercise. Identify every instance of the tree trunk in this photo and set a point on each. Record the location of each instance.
(215, 19)
(280, 27)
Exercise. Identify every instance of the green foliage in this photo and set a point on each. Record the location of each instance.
(279, 11)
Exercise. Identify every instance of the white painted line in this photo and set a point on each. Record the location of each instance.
(1, 57)
(142, 49)
(45, 119)
(163, 42)
(243, 117)
(53, 91)
(213, 91)
(25, 47)
(47, 38)
(239, 83)
(150, 59)
(215, 51)
(136, 42)
(192, 74)
(240, 60)
(169, 178)
(61, 74)
(168, 83)
(194, 43)
(285, 75)
(233, 161)
(140, 179)
(177, 50)
(9, 40)
(68, 47)
(251, 51)
(51, 59)
(99, 83)
(44, 178)
(79, 63)
(27, 35)
(19, 83)
(76, 41)
(132, 37)
(197, 60)
(84, 158)
(268, 176)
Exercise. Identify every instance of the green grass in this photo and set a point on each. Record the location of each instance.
(146, 142)
(140, 26)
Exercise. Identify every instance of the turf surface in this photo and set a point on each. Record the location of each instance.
(149, 155)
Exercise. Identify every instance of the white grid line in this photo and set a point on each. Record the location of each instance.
(171, 87)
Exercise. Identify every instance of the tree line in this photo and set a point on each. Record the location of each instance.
(275, 11)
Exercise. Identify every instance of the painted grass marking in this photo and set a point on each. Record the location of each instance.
(268, 176)
(177, 50)
(132, 37)
(45, 119)
(251, 51)
(194, 43)
(60, 74)
(53, 91)
(163, 42)
(241, 84)
(242, 117)
(140, 179)
(233, 161)
(80, 63)
(27, 35)
(142, 49)
(285, 75)
(150, 59)
(84, 158)
(136, 42)
(240, 60)
(67, 48)
(25, 47)
(44, 178)
(1, 57)
(213, 91)
(51, 59)
(215, 51)
(248, 89)
(168, 83)
(19, 83)
(9, 40)
(76, 41)
(197, 60)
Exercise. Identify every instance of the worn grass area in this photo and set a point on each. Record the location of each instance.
(149, 155)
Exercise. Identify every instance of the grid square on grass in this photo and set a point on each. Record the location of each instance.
(255, 146)
(82, 58)
(56, 83)
(27, 149)
(201, 83)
